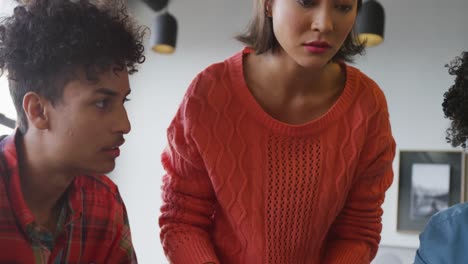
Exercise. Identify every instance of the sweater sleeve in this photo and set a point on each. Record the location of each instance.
(355, 234)
(188, 196)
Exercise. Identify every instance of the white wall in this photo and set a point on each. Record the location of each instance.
(421, 37)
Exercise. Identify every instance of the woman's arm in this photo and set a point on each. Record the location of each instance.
(355, 234)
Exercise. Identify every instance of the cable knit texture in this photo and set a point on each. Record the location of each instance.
(242, 187)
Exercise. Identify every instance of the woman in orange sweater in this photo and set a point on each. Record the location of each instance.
(282, 153)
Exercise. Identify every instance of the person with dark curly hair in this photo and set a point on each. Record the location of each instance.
(68, 64)
(445, 237)
(282, 153)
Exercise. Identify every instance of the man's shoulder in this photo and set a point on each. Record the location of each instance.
(456, 214)
(449, 225)
(445, 237)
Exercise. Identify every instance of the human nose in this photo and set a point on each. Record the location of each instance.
(122, 124)
(322, 20)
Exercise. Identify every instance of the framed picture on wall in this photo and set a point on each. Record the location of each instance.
(429, 181)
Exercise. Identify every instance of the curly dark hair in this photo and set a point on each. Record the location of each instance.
(45, 43)
(455, 103)
(260, 37)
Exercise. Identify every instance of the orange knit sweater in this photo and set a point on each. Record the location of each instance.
(242, 187)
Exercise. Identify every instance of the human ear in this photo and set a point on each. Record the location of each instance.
(35, 108)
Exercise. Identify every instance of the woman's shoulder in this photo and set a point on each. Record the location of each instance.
(222, 73)
(360, 78)
(221, 69)
(365, 86)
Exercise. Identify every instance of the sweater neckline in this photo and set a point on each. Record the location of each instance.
(235, 64)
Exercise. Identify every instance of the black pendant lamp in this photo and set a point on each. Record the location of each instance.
(370, 23)
(156, 5)
(164, 37)
(164, 28)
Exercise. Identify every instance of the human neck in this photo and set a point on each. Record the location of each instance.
(290, 93)
(285, 78)
(43, 183)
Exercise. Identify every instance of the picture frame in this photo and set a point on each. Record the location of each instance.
(429, 181)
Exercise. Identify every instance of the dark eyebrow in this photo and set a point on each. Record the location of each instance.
(110, 92)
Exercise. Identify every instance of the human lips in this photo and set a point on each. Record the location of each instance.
(317, 46)
(114, 149)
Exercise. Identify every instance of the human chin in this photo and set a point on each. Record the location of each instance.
(99, 166)
(106, 167)
(308, 60)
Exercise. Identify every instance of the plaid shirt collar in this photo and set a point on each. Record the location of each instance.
(22, 212)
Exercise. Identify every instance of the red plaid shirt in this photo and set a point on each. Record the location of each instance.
(94, 221)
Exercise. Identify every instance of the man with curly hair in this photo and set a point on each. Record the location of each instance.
(445, 237)
(67, 63)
